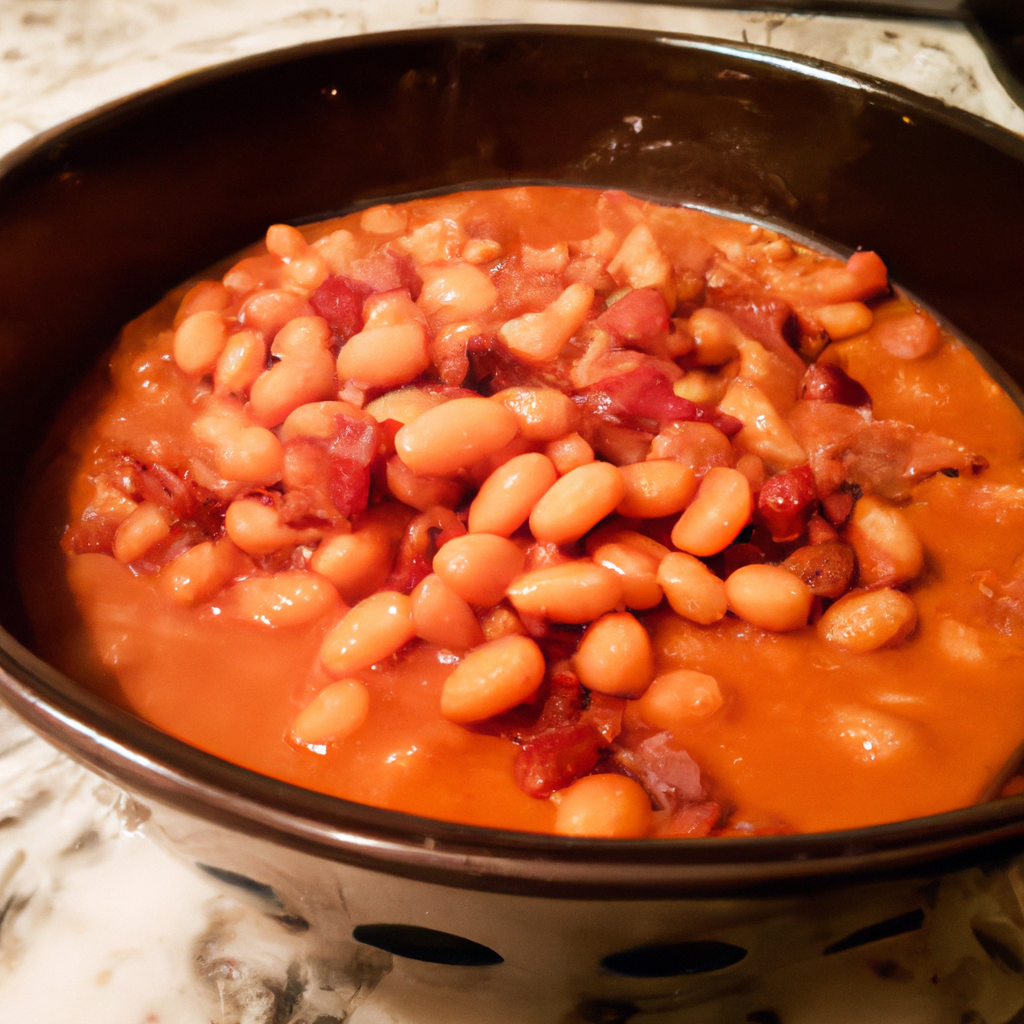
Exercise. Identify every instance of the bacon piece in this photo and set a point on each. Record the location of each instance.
(765, 318)
(386, 271)
(542, 556)
(838, 505)
(179, 494)
(824, 429)
(692, 821)
(556, 758)
(784, 502)
(557, 704)
(1004, 604)
(886, 457)
(826, 568)
(522, 290)
(889, 457)
(565, 698)
(604, 713)
(186, 500)
(423, 536)
(820, 530)
(353, 448)
(197, 512)
(668, 773)
(638, 318)
(339, 300)
(826, 382)
(348, 484)
(306, 468)
(647, 393)
(164, 487)
(738, 555)
(93, 533)
(563, 741)
(328, 477)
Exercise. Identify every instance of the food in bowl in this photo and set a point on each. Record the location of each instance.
(555, 510)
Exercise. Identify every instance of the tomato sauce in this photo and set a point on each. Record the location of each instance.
(873, 455)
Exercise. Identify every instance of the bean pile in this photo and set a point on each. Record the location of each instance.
(444, 424)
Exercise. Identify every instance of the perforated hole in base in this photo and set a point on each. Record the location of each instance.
(909, 922)
(426, 944)
(673, 959)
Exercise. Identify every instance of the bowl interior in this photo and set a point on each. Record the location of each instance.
(99, 218)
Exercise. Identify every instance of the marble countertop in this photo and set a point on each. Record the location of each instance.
(97, 925)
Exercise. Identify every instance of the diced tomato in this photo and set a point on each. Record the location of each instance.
(639, 316)
(339, 300)
(556, 758)
(784, 502)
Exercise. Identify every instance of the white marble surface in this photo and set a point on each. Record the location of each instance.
(62, 57)
(98, 926)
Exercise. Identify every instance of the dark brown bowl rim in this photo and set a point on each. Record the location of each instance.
(157, 766)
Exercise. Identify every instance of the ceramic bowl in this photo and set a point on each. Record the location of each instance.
(100, 217)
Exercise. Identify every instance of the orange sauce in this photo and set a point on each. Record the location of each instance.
(810, 737)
